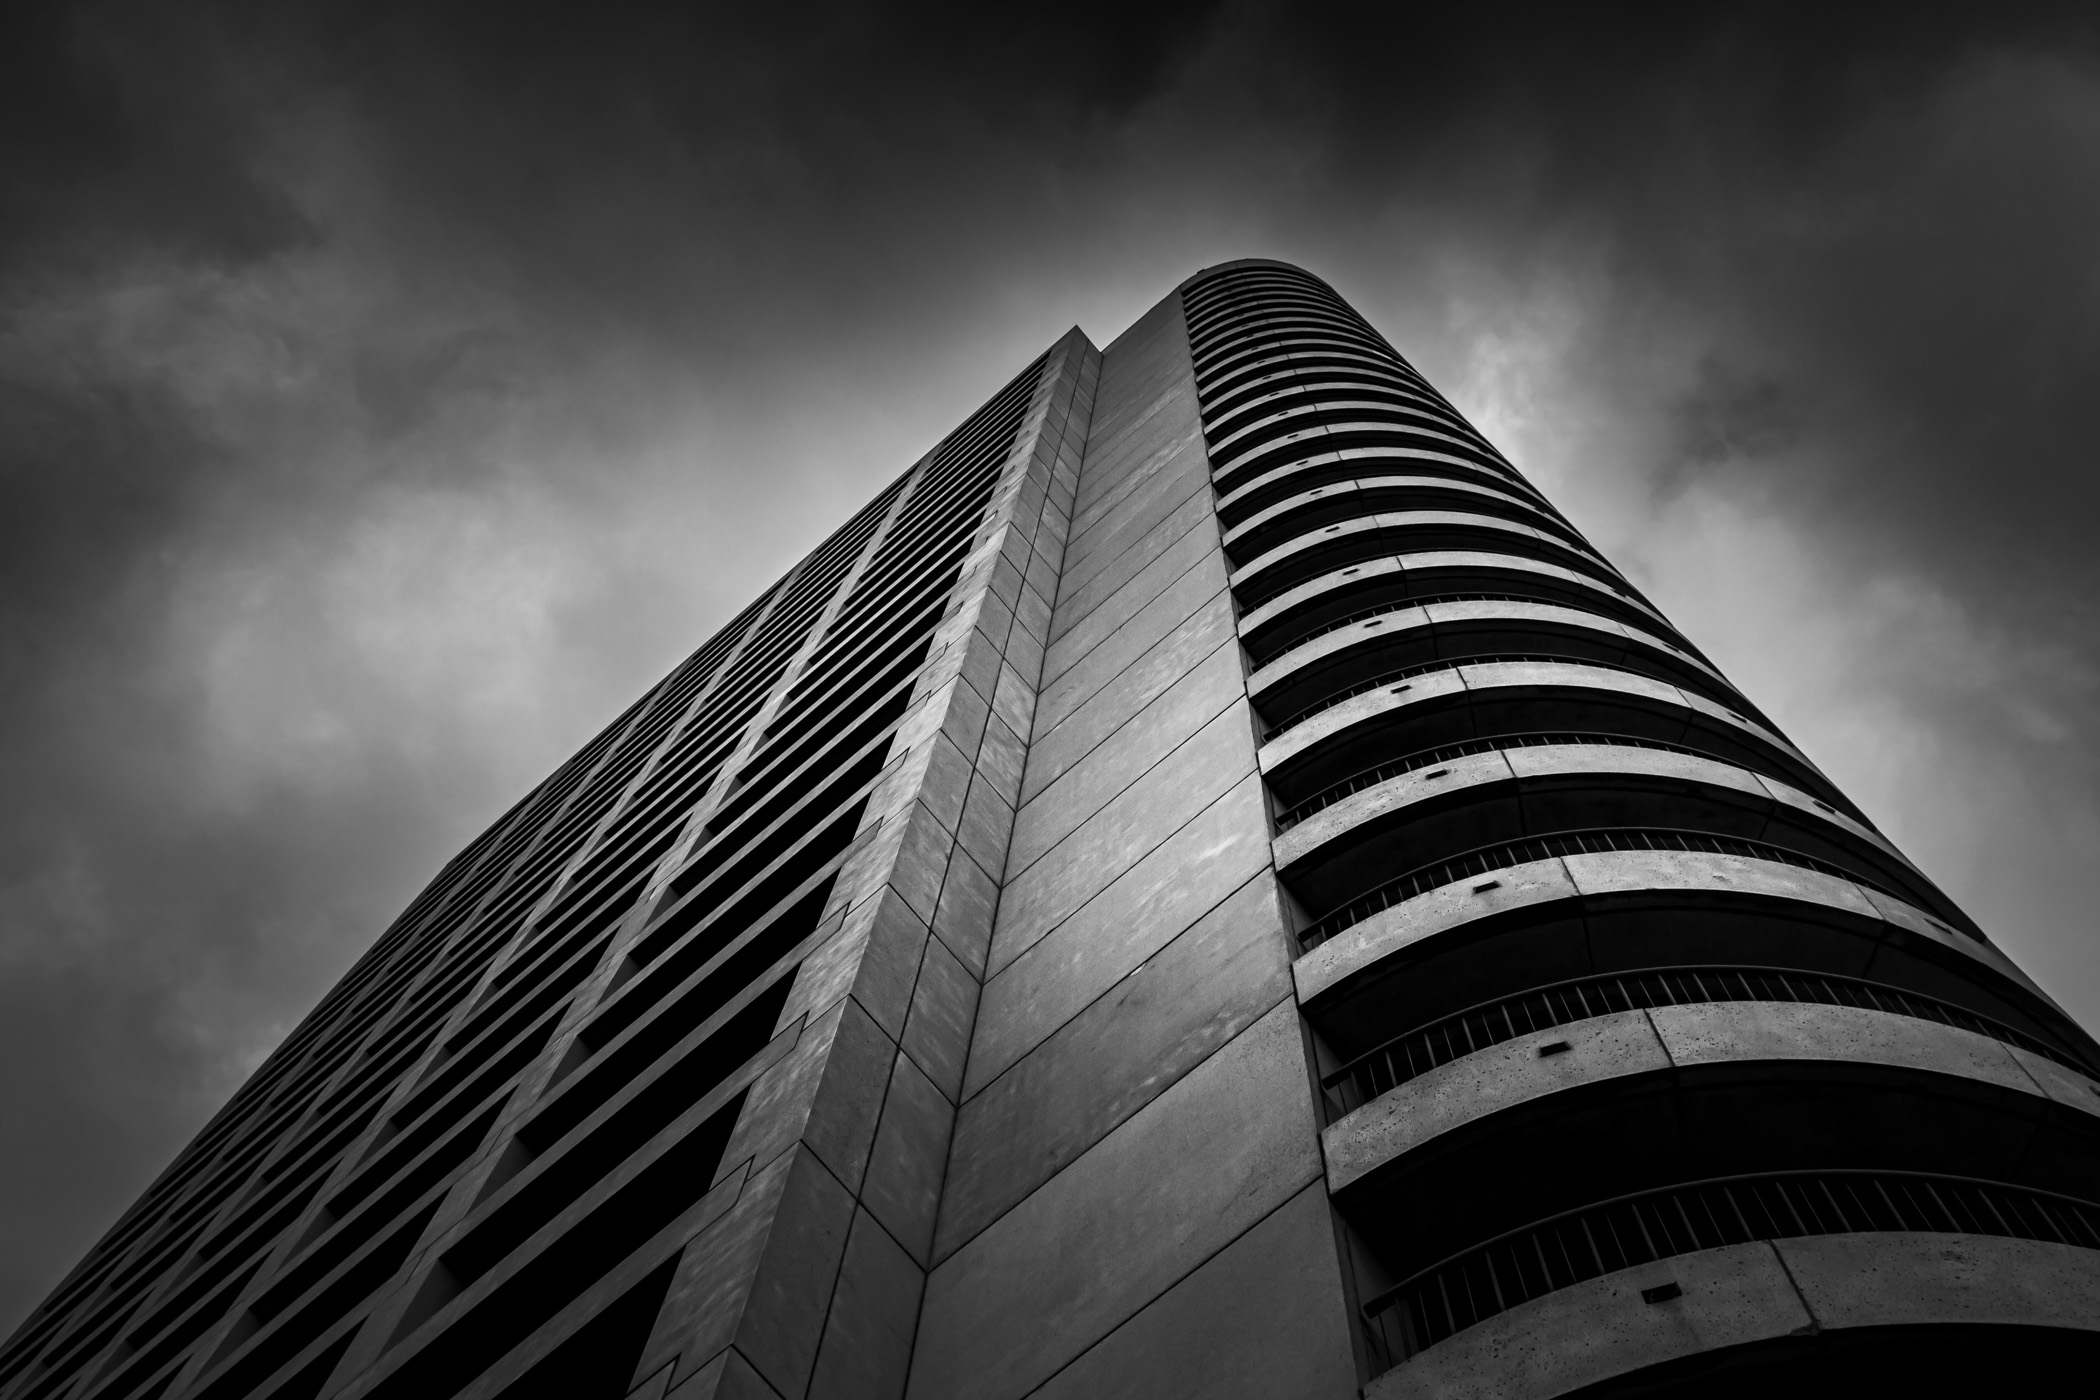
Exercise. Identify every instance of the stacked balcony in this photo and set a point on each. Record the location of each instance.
(1609, 984)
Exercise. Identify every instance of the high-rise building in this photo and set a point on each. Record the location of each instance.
(1208, 886)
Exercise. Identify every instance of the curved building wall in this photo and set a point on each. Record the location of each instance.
(1624, 1013)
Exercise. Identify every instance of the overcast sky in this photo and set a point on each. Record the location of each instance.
(389, 393)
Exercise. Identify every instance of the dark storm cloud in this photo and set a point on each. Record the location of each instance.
(387, 393)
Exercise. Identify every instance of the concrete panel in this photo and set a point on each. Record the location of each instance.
(987, 826)
(1381, 800)
(705, 1304)
(1187, 876)
(866, 1351)
(1913, 920)
(1108, 687)
(1002, 761)
(1488, 1081)
(1149, 737)
(728, 1376)
(841, 1124)
(1716, 1033)
(1604, 1328)
(1109, 843)
(1607, 873)
(779, 1100)
(1188, 1174)
(1144, 381)
(890, 964)
(784, 1316)
(1014, 702)
(1076, 630)
(943, 1009)
(1126, 465)
(1170, 590)
(2061, 1085)
(1192, 517)
(963, 919)
(1114, 1057)
(921, 860)
(1364, 945)
(1893, 1279)
(1434, 685)
(1263, 1319)
(1170, 475)
(1354, 576)
(1384, 627)
(1153, 467)
(903, 1183)
(1548, 762)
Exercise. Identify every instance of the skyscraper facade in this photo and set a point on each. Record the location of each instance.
(1209, 885)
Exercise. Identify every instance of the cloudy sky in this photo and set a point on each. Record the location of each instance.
(389, 393)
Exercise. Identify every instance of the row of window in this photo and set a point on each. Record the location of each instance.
(513, 929)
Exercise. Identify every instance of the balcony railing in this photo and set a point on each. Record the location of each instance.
(1423, 758)
(1491, 1023)
(1587, 1243)
(1447, 664)
(1405, 605)
(1502, 855)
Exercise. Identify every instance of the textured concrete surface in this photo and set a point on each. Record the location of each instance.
(1604, 1328)
(1256, 1321)
(1612, 878)
(1698, 1041)
(1926, 1279)
(1136, 1112)
(1187, 1174)
(1489, 1081)
(1749, 1293)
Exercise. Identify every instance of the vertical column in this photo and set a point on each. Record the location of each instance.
(810, 1284)
(1134, 1202)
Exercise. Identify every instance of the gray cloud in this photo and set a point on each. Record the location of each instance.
(388, 393)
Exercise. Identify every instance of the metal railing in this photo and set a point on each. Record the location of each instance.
(1423, 758)
(1426, 1047)
(1595, 1240)
(1484, 860)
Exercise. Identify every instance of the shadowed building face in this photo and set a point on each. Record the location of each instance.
(1208, 885)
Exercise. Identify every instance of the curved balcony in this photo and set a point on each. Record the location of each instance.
(1227, 410)
(1493, 921)
(1795, 1279)
(1456, 702)
(1705, 747)
(1229, 320)
(1370, 427)
(1209, 337)
(1213, 360)
(1633, 941)
(1281, 621)
(1210, 316)
(1366, 495)
(1302, 473)
(1420, 1053)
(1290, 364)
(1327, 548)
(1679, 1045)
(1343, 854)
(1329, 395)
(1357, 649)
(1227, 368)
